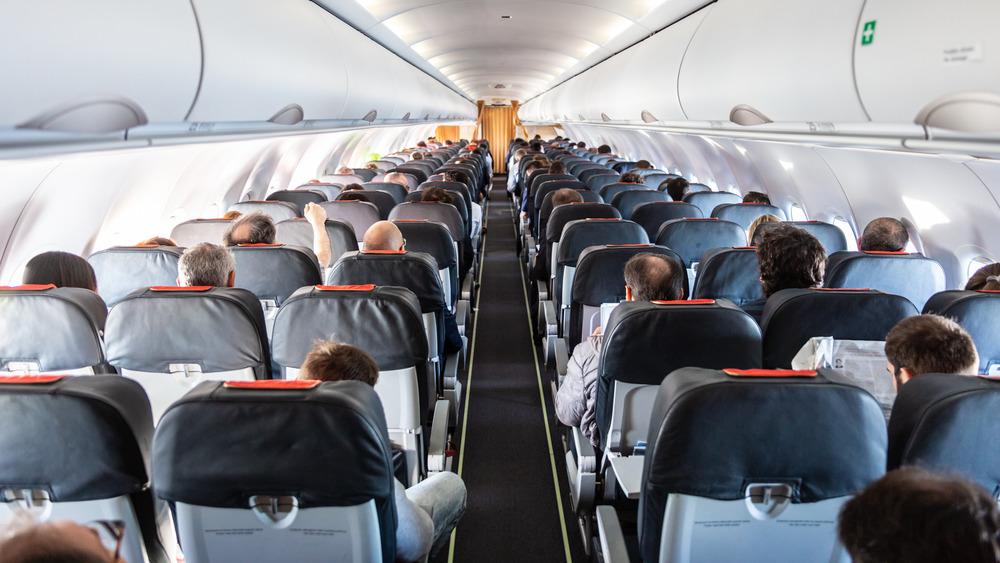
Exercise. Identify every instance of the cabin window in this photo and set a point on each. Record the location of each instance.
(849, 234)
(974, 265)
(798, 213)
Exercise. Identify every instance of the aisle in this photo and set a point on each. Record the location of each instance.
(508, 464)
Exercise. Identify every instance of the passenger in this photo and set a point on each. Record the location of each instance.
(754, 233)
(206, 264)
(384, 235)
(605, 149)
(581, 145)
(398, 178)
(643, 165)
(346, 170)
(676, 188)
(929, 344)
(913, 516)
(258, 228)
(631, 178)
(756, 197)
(648, 277)
(447, 142)
(788, 258)
(536, 146)
(986, 278)
(352, 195)
(557, 167)
(416, 155)
(26, 541)
(60, 269)
(352, 186)
(512, 170)
(371, 166)
(232, 215)
(540, 267)
(476, 212)
(158, 241)
(428, 511)
(436, 194)
(884, 234)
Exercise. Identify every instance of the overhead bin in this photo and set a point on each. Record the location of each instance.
(911, 54)
(275, 54)
(96, 66)
(791, 61)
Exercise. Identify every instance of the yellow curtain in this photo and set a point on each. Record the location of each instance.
(448, 132)
(498, 129)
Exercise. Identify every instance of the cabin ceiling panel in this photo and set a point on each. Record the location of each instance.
(498, 36)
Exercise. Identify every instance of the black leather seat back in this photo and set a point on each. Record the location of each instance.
(692, 237)
(977, 312)
(397, 191)
(651, 216)
(298, 232)
(276, 210)
(325, 445)
(443, 213)
(50, 329)
(744, 214)
(709, 437)
(729, 273)
(123, 269)
(273, 272)
(359, 214)
(911, 275)
(707, 200)
(299, 198)
(948, 424)
(832, 238)
(644, 342)
(600, 278)
(625, 202)
(792, 316)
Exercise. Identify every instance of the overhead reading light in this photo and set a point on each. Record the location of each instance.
(104, 114)
(748, 115)
(370, 116)
(969, 112)
(288, 115)
(648, 117)
(605, 117)
(406, 117)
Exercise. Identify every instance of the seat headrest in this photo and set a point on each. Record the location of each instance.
(643, 342)
(792, 316)
(692, 237)
(153, 328)
(581, 233)
(911, 275)
(562, 215)
(123, 269)
(275, 271)
(712, 434)
(729, 273)
(415, 271)
(78, 438)
(58, 328)
(977, 312)
(383, 321)
(948, 423)
(326, 446)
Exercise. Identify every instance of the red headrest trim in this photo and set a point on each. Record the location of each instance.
(383, 252)
(744, 247)
(28, 287)
(702, 218)
(897, 252)
(843, 288)
(30, 379)
(686, 302)
(181, 288)
(601, 219)
(625, 245)
(278, 384)
(988, 290)
(770, 372)
(258, 244)
(368, 287)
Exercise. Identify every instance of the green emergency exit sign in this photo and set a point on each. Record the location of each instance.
(868, 34)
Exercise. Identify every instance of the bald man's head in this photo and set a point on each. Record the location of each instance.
(396, 177)
(383, 235)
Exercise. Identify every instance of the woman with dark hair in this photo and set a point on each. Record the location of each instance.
(60, 269)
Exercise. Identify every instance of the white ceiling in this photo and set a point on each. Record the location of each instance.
(469, 45)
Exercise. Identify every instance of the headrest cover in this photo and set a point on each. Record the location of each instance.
(823, 436)
(273, 384)
(327, 446)
(770, 372)
(29, 379)
(181, 288)
(78, 438)
(27, 287)
(367, 287)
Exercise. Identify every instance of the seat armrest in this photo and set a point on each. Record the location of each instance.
(467, 287)
(543, 290)
(461, 315)
(609, 530)
(437, 459)
(549, 318)
(586, 455)
(562, 358)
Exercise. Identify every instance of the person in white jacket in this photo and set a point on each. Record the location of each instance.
(648, 277)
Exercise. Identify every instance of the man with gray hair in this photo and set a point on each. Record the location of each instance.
(398, 178)
(206, 264)
(258, 228)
